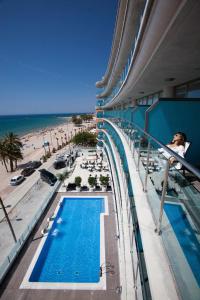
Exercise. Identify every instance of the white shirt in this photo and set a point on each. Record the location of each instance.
(180, 150)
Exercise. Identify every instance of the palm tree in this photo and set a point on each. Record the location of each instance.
(3, 154)
(65, 139)
(13, 147)
(57, 143)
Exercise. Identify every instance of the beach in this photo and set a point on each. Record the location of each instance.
(33, 149)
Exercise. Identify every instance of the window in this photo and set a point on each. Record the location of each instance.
(181, 91)
(194, 89)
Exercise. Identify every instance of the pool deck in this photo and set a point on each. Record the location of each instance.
(9, 289)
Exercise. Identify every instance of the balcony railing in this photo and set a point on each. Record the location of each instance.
(174, 202)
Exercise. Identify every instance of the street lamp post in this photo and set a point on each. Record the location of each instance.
(57, 142)
(8, 220)
(44, 150)
(51, 138)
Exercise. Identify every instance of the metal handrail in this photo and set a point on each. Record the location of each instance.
(186, 164)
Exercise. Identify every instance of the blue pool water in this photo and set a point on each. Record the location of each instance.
(186, 237)
(71, 252)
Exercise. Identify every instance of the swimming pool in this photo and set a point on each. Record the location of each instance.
(73, 250)
(185, 236)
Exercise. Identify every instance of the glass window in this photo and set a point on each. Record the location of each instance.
(181, 91)
(194, 89)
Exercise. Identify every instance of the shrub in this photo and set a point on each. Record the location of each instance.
(54, 150)
(62, 176)
(44, 158)
(104, 180)
(92, 181)
(48, 155)
(78, 180)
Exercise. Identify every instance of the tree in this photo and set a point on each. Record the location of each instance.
(86, 117)
(78, 121)
(62, 176)
(74, 119)
(85, 139)
(13, 147)
(3, 154)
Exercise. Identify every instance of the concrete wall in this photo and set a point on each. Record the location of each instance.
(138, 115)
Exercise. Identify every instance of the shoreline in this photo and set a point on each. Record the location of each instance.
(39, 129)
(33, 150)
(46, 128)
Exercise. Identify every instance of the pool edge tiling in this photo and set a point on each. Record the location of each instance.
(101, 285)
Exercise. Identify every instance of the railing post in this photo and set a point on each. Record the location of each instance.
(147, 166)
(133, 144)
(162, 200)
(138, 162)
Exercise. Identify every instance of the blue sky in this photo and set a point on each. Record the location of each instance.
(52, 52)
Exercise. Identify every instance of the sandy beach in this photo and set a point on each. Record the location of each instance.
(33, 149)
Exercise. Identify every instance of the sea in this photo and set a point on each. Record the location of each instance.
(24, 124)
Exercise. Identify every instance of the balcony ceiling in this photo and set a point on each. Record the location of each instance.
(178, 56)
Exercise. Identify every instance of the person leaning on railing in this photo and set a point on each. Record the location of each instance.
(177, 144)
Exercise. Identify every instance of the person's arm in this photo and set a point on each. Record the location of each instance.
(180, 151)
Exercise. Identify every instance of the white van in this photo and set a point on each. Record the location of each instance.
(16, 180)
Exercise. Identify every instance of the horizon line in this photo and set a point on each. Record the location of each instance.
(57, 113)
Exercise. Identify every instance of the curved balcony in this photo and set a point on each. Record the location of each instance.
(158, 55)
(121, 11)
(135, 14)
(130, 252)
(175, 194)
(141, 11)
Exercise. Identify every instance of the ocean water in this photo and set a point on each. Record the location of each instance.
(23, 124)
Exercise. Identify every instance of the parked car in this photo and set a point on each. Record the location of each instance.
(27, 171)
(60, 157)
(16, 180)
(35, 164)
(59, 164)
(47, 176)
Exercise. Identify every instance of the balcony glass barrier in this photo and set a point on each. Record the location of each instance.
(115, 90)
(172, 188)
(134, 238)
